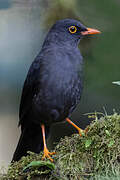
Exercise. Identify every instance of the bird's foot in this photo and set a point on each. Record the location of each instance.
(48, 154)
(82, 132)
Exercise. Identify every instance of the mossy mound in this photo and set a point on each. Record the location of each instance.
(96, 153)
(89, 157)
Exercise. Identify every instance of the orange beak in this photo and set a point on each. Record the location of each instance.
(90, 31)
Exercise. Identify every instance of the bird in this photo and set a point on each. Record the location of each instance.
(52, 88)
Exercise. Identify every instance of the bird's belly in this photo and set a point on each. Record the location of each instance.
(54, 104)
(49, 110)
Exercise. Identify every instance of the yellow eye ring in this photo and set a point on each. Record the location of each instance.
(72, 29)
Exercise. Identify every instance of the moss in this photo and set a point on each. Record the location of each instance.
(93, 156)
(19, 171)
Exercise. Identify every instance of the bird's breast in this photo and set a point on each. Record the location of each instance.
(60, 87)
(59, 90)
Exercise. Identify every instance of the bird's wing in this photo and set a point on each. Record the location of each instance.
(29, 90)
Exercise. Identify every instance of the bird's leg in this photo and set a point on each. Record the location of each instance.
(46, 151)
(81, 132)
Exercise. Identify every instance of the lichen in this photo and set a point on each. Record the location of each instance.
(93, 156)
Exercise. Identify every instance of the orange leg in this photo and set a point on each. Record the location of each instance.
(81, 132)
(46, 151)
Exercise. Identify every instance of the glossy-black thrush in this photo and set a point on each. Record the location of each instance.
(53, 86)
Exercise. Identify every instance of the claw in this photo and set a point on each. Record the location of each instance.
(48, 154)
(86, 130)
(83, 132)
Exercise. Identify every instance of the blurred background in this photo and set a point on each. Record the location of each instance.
(23, 26)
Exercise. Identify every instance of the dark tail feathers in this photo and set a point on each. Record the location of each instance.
(30, 140)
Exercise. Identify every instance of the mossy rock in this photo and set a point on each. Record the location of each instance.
(89, 157)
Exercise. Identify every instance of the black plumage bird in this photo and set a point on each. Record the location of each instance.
(53, 86)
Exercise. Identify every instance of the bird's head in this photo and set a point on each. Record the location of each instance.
(69, 30)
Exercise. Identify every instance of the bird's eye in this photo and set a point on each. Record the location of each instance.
(72, 29)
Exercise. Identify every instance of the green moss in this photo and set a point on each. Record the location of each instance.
(94, 156)
(24, 170)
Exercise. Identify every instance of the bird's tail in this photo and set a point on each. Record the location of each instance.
(30, 140)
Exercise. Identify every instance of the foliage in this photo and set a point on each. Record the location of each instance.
(29, 167)
(94, 156)
(96, 153)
